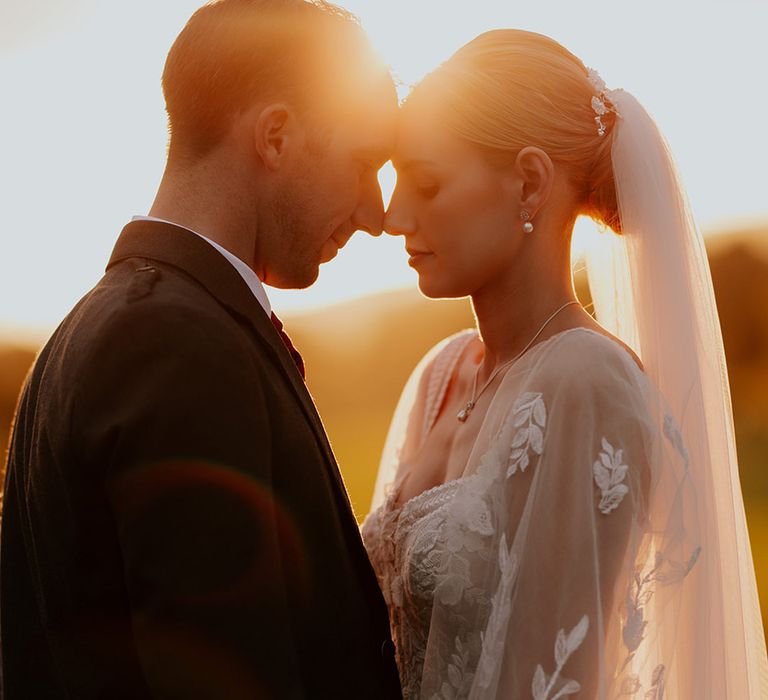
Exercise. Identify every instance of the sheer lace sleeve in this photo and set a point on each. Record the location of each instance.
(561, 551)
(579, 507)
(416, 410)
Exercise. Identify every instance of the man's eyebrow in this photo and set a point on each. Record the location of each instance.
(374, 155)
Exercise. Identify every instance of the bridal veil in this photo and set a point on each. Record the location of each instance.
(596, 544)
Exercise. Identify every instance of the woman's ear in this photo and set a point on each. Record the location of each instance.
(274, 131)
(536, 174)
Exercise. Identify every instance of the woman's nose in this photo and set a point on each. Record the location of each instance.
(397, 220)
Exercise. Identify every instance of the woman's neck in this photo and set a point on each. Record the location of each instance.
(511, 311)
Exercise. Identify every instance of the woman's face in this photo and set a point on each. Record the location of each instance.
(459, 214)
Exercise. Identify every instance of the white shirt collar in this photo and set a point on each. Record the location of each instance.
(248, 275)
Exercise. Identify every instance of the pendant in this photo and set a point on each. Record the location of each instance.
(463, 414)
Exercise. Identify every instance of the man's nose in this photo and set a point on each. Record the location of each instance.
(391, 228)
(369, 215)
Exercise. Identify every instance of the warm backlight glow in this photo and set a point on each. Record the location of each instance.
(84, 131)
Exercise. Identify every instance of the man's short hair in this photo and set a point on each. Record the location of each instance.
(233, 53)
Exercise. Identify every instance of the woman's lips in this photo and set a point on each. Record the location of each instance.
(417, 256)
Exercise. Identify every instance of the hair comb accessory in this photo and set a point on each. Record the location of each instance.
(598, 105)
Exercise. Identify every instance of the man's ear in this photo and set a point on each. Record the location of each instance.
(274, 131)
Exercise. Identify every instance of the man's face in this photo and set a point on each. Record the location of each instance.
(332, 190)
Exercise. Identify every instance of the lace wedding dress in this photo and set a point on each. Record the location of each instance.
(567, 559)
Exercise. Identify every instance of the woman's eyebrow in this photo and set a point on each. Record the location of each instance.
(403, 166)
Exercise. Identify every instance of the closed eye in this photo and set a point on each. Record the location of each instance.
(428, 191)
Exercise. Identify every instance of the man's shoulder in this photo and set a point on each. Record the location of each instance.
(142, 296)
(145, 308)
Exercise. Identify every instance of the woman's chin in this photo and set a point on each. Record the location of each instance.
(438, 289)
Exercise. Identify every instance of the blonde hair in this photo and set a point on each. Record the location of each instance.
(508, 88)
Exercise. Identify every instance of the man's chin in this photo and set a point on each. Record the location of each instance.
(297, 280)
(329, 251)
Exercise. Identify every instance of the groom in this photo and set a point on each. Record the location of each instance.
(175, 524)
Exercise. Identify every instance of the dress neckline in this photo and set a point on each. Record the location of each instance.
(546, 341)
(423, 495)
(415, 499)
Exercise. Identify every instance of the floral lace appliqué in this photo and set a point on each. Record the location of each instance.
(565, 645)
(469, 522)
(450, 573)
(459, 679)
(529, 417)
(609, 473)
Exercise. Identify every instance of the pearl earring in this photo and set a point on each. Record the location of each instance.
(527, 226)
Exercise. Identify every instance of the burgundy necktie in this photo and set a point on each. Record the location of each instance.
(278, 324)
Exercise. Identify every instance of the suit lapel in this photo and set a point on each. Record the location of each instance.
(185, 250)
(178, 247)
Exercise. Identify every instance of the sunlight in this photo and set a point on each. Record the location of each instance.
(586, 235)
(99, 161)
(387, 181)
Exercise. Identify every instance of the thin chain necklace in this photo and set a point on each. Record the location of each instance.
(463, 414)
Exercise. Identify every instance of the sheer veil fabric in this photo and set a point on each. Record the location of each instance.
(595, 545)
(664, 307)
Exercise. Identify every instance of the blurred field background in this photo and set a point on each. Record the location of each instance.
(360, 353)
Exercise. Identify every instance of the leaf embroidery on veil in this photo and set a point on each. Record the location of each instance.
(609, 473)
(665, 571)
(673, 435)
(529, 416)
(501, 605)
(632, 685)
(565, 645)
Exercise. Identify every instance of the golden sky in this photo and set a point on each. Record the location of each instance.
(82, 128)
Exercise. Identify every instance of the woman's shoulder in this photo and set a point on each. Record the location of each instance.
(431, 375)
(583, 354)
(443, 354)
(458, 339)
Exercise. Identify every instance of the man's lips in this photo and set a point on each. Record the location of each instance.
(341, 239)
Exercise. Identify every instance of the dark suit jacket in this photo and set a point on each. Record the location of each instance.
(175, 524)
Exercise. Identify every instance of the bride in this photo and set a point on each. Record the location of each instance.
(558, 511)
